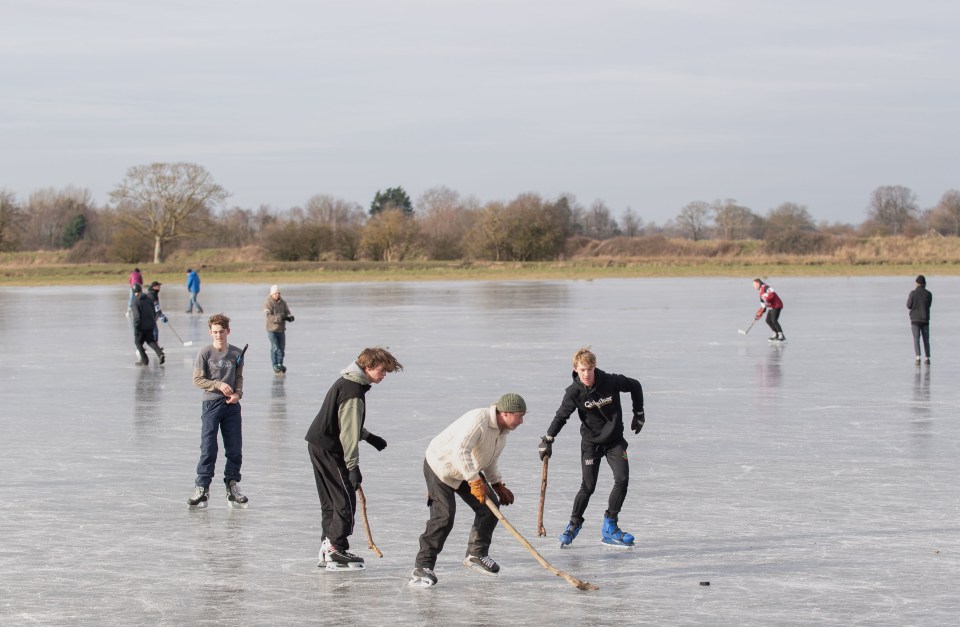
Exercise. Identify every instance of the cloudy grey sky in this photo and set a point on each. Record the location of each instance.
(648, 104)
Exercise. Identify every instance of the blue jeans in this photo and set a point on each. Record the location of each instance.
(278, 342)
(130, 302)
(193, 303)
(217, 415)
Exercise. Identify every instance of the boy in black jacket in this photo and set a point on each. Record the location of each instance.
(333, 440)
(595, 395)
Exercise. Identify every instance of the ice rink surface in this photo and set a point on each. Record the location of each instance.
(814, 482)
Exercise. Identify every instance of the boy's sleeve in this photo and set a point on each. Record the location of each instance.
(349, 416)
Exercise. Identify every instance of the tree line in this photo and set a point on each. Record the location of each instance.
(160, 207)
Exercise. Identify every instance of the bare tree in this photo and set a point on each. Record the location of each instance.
(733, 221)
(168, 201)
(787, 217)
(10, 218)
(598, 223)
(390, 235)
(893, 207)
(945, 217)
(632, 223)
(444, 221)
(48, 213)
(335, 213)
(694, 220)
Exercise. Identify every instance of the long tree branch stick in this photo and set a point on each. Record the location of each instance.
(366, 523)
(541, 532)
(582, 585)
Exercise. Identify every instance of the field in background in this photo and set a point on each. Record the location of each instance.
(617, 258)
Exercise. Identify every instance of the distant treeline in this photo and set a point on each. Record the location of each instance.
(166, 207)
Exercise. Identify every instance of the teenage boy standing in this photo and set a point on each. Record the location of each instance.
(218, 371)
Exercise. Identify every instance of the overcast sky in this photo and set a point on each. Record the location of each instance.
(648, 104)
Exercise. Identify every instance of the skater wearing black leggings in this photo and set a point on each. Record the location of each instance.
(771, 303)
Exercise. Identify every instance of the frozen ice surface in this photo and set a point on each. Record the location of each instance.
(809, 483)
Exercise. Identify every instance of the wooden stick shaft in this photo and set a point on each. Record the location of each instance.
(582, 585)
(543, 497)
(366, 523)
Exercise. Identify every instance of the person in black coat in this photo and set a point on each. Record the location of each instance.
(145, 326)
(919, 302)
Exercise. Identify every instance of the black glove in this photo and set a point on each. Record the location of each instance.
(638, 420)
(546, 447)
(355, 478)
(289, 318)
(376, 441)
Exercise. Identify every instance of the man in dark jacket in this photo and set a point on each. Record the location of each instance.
(595, 395)
(333, 440)
(919, 302)
(145, 325)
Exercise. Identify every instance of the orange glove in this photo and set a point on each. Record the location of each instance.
(759, 313)
(478, 488)
(505, 495)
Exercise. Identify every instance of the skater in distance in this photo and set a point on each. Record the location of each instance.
(218, 371)
(278, 315)
(193, 288)
(461, 461)
(771, 303)
(145, 326)
(919, 302)
(595, 396)
(333, 445)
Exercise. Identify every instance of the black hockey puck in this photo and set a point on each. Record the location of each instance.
(704, 583)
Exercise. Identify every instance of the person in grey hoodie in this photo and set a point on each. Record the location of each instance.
(278, 315)
(333, 444)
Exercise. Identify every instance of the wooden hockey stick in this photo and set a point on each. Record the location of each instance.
(366, 523)
(581, 585)
(541, 532)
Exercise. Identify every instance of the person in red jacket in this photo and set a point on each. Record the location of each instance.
(771, 303)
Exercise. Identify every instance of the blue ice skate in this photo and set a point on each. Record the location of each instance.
(569, 534)
(612, 534)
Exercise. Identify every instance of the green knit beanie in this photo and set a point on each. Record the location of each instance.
(512, 403)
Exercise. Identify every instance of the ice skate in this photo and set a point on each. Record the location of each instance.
(613, 536)
(333, 558)
(566, 538)
(917, 360)
(781, 337)
(482, 563)
(422, 578)
(200, 498)
(234, 497)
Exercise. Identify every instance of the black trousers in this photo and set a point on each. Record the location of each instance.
(590, 456)
(338, 499)
(921, 330)
(443, 509)
(148, 337)
(773, 320)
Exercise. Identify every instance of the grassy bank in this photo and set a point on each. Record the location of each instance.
(331, 272)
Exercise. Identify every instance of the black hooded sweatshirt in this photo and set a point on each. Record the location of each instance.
(598, 407)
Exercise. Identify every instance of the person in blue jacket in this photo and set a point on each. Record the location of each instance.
(193, 286)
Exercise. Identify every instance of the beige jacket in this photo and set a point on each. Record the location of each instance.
(471, 444)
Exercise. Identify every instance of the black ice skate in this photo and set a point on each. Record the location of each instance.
(234, 497)
(199, 499)
(340, 560)
(482, 563)
(423, 578)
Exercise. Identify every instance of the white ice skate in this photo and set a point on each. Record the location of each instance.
(333, 558)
